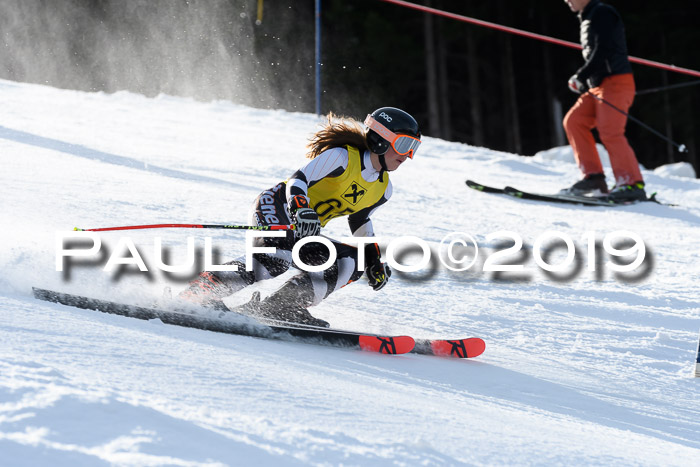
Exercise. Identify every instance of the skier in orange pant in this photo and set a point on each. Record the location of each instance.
(607, 89)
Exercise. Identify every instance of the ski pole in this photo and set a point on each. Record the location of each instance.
(681, 147)
(192, 226)
(666, 88)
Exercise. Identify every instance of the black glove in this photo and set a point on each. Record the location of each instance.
(378, 273)
(305, 219)
(576, 85)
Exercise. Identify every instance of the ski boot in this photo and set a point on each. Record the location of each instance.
(288, 304)
(624, 193)
(590, 185)
(206, 290)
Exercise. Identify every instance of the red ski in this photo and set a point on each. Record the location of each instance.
(456, 348)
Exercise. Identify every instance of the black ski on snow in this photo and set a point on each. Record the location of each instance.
(560, 198)
(557, 197)
(280, 330)
(368, 342)
(486, 189)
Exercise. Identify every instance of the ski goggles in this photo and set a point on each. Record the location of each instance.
(402, 144)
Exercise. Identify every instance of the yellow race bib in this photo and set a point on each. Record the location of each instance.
(348, 193)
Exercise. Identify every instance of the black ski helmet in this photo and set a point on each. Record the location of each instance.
(395, 120)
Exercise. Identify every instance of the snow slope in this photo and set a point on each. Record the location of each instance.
(593, 368)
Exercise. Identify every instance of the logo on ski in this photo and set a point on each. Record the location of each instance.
(387, 346)
(458, 349)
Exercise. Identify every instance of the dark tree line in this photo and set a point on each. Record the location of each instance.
(463, 82)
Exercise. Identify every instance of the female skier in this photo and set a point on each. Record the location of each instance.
(346, 176)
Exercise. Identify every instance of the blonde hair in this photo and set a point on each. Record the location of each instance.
(337, 132)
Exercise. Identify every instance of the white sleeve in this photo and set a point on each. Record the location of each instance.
(331, 162)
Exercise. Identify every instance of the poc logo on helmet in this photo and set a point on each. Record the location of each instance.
(385, 116)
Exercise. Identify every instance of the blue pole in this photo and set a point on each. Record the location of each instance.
(318, 57)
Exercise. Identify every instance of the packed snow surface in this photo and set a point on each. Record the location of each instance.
(581, 367)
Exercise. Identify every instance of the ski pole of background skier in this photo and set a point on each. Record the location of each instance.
(666, 88)
(680, 147)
